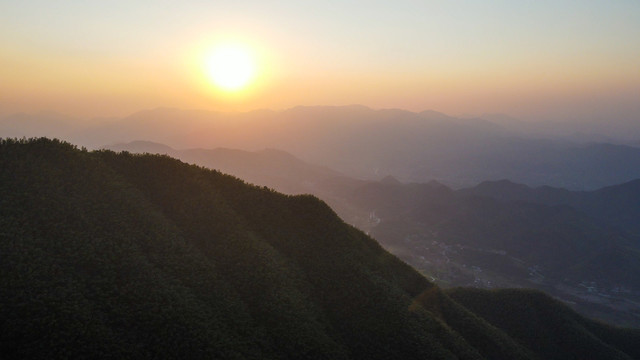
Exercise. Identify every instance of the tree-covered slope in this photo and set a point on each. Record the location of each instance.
(106, 255)
(549, 327)
(273, 168)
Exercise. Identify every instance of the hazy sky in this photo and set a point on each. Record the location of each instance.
(533, 59)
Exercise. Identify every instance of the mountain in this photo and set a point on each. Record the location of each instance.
(143, 256)
(39, 124)
(269, 167)
(272, 168)
(620, 131)
(616, 205)
(571, 338)
(417, 147)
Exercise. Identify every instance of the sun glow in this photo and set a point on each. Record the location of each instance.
(231, 67)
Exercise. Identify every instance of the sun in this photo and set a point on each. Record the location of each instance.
(231, 67)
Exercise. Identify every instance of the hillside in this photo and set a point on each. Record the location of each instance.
(269, 167)
(532, 318)
(129, 256)
(272, 168)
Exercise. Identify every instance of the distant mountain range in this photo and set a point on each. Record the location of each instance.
(370, 144)
(109, 255)
(39, 124)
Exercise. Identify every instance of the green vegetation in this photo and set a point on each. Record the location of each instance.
(548, 326)
(106, 255)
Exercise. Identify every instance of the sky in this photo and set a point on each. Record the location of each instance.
(546, 60)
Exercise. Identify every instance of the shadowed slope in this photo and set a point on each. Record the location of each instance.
(549, 327)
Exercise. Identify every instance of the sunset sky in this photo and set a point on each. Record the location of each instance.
(531, 59)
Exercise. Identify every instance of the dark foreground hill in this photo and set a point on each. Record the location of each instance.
(106, 255)
(546, 325)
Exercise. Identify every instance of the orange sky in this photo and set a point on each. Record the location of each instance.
(533, 60)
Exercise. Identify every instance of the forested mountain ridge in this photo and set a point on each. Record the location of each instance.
(269, 167)
(130, 256)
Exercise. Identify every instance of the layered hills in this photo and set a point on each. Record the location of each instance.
(364, 143)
